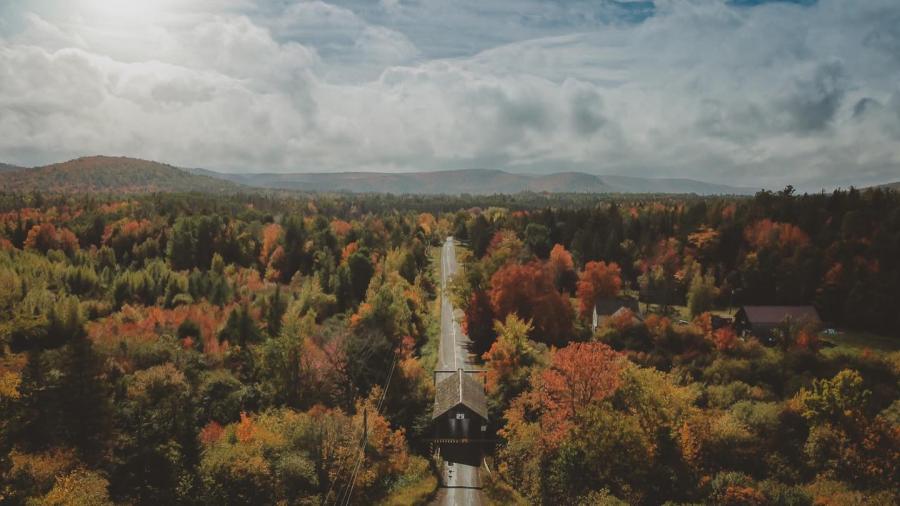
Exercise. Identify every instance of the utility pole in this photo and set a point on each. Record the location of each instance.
(362, 457)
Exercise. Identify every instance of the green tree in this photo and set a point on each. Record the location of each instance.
(361, 271)
(537, 238)
(156, 445)
(275, 308)
(183, 244)
(284, 370)
(582, 463)
(85, 396)
(510, 360)
(240, 328)
(836, 399)
(480, 234)
(702, 294)
(80, 487)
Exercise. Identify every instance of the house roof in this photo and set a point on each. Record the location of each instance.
(774, 315)
(620, 313)
(607, 306)
(460, 388)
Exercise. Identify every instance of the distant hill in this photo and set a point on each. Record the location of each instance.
(130, 175)
(893, 186)
(474, 181)
(111, 174)
(7, 167)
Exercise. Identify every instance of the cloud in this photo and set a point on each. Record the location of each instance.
(235, 46)
(349, 47)
(815, 101)
(760, 96)
(385, 46)
(587, 112)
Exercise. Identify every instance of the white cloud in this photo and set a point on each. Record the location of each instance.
(237, 47)
(756, 96)
(383, 45)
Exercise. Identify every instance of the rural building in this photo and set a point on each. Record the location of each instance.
(762, 320)
(460, 407)
(608, 306)
(719, 321)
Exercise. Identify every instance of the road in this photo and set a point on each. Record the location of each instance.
(454, 349)
(461, 481)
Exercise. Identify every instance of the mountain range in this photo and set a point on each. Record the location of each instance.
(5, 167)
(106, 174)
(131, 175)
(473, 181)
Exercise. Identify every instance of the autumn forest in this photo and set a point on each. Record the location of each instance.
(279, 348)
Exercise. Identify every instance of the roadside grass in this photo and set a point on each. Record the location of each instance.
(419, 484)
(851, 341)
(498, 492)
(428, 354)
(846, 341)
(683, 313)
(416, 487)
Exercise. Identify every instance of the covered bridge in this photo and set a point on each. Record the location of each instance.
(460, 407)
(762, 320)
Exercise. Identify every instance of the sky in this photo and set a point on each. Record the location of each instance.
(749, 93)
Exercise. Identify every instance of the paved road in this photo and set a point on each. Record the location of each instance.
(454, 349)
(461, 482)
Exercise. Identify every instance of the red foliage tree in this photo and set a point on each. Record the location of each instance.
(340, 228)
(479, 322)
(658, 325)
(271, 235)
(46, 236)
(562, 268)
(807, 340)
(147, 323)
(348, 250)
(125, 234)
(578, 375)
(276, 264)
(736, 495)
(725, 339)
(529, 292)
(212, 432)
(768, 233)
(597, 280)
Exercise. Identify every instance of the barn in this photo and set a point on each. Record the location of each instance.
(460, 407)
(762, 320)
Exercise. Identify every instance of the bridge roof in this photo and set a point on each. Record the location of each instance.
(460, 388)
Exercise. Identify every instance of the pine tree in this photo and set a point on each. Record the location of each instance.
(276, 306)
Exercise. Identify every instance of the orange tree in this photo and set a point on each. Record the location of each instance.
(528, 291)
(597, 280)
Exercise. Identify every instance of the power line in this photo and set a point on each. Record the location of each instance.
(362, 449)
(337, 478)
(341, 470)
(359, 460)
(345, 499)
(387, 384)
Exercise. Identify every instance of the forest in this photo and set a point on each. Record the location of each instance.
(278, 348)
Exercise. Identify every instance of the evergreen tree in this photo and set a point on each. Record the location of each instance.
(240, 328)
(275, 308)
